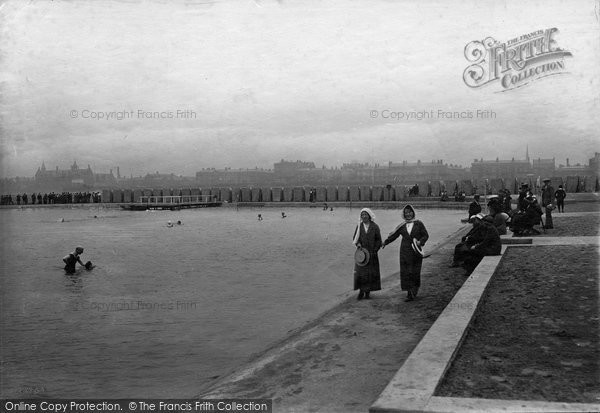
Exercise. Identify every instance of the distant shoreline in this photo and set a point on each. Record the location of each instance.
(418, 202)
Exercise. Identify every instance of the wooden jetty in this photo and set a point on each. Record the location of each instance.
(172, 202)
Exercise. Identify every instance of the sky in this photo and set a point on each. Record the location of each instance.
(250, 82)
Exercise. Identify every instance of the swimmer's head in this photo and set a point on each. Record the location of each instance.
(79, 250)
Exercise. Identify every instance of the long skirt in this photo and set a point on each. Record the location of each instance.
(368, 278)
(410, 272)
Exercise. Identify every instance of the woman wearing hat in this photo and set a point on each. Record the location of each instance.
(411, 231)
(367, 239)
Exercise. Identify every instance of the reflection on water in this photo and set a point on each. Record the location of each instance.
(166, 310)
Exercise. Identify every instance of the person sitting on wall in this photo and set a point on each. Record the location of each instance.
(499, 218)
(461, 248)
(474, 207)
(523, 222)
(485, 240)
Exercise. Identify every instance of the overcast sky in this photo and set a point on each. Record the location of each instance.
(297, 80)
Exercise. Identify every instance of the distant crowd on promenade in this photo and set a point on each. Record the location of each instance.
(51, 198)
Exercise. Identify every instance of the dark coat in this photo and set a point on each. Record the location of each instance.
(486, 239)
(547, 195)
(368, 277)
(474, 208)
(410, 261)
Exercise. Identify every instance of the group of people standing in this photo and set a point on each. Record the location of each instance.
(51, 198)
(367, 239)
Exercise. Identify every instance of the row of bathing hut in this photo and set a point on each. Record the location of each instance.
(343, 193)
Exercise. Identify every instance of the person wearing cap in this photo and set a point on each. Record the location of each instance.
(547, 197)
(73, 258)
(484, 240)
(411, 231)
(474, 207)
(367, 237)
(560, 196)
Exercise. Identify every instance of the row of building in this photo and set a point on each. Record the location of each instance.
(294, 173)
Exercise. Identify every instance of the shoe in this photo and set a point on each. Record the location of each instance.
(367, 295)
(361, 295)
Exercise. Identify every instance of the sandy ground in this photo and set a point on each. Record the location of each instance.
(343, 361)
(536, 336)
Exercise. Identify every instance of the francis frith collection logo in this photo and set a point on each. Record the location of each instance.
(516, 62)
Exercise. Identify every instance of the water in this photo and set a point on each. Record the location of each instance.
(167, 310)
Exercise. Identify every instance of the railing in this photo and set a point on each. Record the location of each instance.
(177, 199)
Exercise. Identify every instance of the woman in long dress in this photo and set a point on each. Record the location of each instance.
(410, 260)
(368, 236)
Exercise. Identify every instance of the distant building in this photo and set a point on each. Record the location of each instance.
(505, 169)
(73, 177)
(544, 167)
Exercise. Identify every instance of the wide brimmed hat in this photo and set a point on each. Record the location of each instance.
(361, 257)
(546, 180)
(416, 248)
(477, 216)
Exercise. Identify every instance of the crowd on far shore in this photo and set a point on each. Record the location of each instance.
(51, 198)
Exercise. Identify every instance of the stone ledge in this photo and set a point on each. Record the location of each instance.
(413, 386)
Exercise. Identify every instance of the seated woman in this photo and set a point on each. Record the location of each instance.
(485, 240)
(523, 223)
(499, 218)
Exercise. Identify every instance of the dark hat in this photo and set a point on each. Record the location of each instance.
(361, 257)
(546, 180)
(416, 248)
(488, 218)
